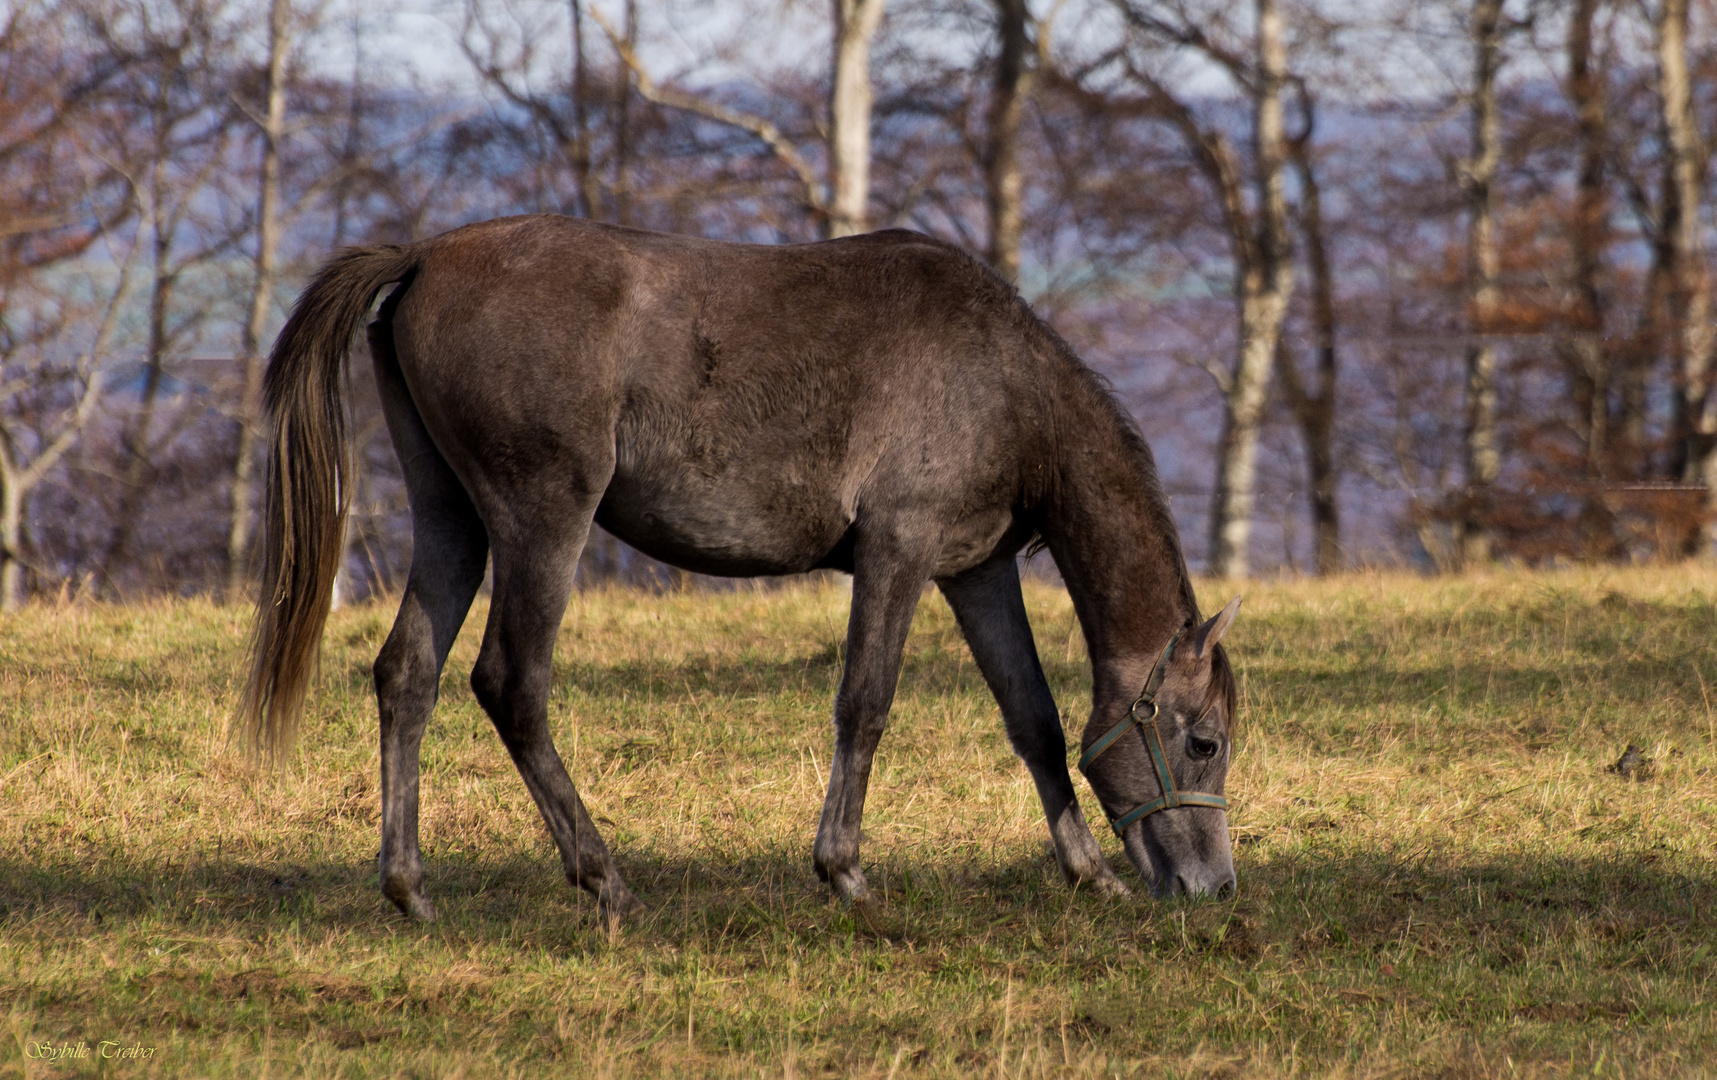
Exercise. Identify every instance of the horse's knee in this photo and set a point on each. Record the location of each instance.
(1038, 738)
(860, 720)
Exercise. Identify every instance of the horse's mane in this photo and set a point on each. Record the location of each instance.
(1099, 393)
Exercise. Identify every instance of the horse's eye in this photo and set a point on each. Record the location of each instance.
(1200, 747)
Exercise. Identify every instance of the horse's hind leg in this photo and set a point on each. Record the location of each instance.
(534, 566)
(449, 547)
(991, 612)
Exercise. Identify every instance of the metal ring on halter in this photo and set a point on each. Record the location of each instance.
(1171, 797)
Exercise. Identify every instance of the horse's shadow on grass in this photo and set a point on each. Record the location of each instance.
(1645, 910)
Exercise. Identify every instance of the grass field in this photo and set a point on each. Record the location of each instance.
(1437, 875)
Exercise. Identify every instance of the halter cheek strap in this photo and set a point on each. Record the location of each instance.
(1144, 714)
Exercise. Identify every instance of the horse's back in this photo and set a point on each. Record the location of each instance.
(739, 407)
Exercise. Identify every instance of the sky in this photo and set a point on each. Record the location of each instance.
(721, 40)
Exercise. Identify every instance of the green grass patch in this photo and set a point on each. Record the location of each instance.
(1438, 876)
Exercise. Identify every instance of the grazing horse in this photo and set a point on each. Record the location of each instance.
(882, 405)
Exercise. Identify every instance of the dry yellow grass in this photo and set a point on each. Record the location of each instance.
(1437, 874)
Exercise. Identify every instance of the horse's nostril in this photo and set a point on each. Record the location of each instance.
(1192, 886)
(1200, 747)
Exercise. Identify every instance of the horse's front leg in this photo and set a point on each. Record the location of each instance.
(991, 612)
(888, 578)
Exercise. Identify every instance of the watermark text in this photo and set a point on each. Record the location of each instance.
(103, 1049)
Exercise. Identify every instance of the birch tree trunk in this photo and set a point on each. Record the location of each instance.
(18, 478)
(1265, 280)
(341, 593)
(267, 247)
(11, 538)
(1003, 186)
(856, 22)
(1691, 334)
(1481, 458)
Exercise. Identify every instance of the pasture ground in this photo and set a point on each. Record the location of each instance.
(1437, 875)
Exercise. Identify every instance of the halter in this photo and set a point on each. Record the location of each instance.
(1172, 796)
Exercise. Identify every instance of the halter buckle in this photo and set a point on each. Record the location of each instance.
(1172, 797)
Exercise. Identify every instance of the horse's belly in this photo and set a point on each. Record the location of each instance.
(727, 529)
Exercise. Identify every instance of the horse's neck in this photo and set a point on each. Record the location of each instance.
(1114, 540)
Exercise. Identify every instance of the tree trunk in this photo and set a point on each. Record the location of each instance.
(1588, 359)
(589, 196)
(11, 541)
(1315, 411)
(1237, 454)
(1691, 336)
(1644, 350)
(341, 593)
(856, 22)
(623, 124)
(1002, 183)
(1481, 457)
(135, 439)
(352, 138)
(267, 245)
(1265, 280)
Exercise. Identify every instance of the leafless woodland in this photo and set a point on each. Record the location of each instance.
(1414, 282)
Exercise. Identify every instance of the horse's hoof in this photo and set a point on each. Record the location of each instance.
(1107, 886)
(411, 900)
(415, 906)
(618, 905)
(850, 887)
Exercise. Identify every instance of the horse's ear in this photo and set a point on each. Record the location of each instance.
(1206, 637)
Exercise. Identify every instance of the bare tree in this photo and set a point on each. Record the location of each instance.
(49, 403)
(56, 201)
(1482, 460)
(623, 121)
(1003, 184)
(174, 143)
(1314, 406)
(1687, 314)
(1258, 229)
(502, 43)
(273, 125)
(1585, 350)
(850, 98)
(841, 203)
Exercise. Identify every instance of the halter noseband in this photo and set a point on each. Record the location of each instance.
(1172, 796)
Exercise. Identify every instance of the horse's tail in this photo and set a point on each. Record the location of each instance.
(309, 486)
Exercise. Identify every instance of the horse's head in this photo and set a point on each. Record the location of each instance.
(1159, 772)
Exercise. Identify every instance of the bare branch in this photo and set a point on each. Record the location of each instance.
(1188, 34)
(1220, 375)
(762, 128)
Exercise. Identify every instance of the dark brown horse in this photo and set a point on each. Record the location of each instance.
(881, 405)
